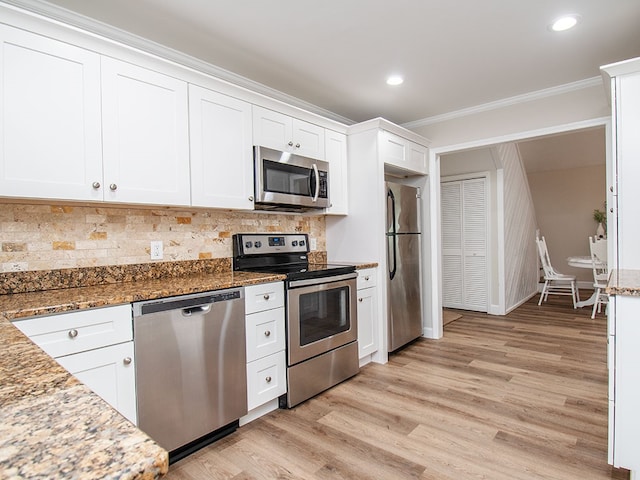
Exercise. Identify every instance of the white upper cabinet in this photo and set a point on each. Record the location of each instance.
(281, 132)
(336, 155)
(145, 135)
(401, 154)
(221, 150)
(50, 118)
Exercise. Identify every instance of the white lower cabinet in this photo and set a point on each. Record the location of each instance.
(367, 314)
(96, 346)
(266, 360)
(625, 429)
(110, 373)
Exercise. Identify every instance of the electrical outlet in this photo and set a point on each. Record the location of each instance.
(14, 266)
(156, 250)
(313, 244)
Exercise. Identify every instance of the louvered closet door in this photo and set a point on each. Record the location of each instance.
(464, 244)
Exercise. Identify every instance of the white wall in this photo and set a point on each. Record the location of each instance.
(520, 256)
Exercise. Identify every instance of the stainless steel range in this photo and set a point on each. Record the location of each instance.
(321, 316)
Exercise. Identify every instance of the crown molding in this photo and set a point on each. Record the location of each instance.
(505, 102)
(68, 17)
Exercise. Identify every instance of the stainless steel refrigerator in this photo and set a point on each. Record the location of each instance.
(403, 261)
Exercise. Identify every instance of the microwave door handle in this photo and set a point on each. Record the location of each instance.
(317, 177)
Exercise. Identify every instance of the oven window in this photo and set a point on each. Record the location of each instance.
(285, 178)
(323, 314)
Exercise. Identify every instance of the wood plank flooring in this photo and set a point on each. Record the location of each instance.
(519, 397)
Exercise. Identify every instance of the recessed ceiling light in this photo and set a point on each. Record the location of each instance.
(564, 23)
(395, 80)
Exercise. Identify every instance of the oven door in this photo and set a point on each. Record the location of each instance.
(321, 315)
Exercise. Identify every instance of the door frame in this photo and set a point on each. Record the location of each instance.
(434, 328)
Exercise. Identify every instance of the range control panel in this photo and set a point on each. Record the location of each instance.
(261, 244)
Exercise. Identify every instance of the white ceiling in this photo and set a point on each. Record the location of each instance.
(336, 54)
(582, 148)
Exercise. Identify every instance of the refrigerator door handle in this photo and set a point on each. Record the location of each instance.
(392, 236)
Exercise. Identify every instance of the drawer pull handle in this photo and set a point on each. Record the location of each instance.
(73, 333)
(127, 360)
(96, 185)
(267, 333)
(366, 278)
(266, 296)
(268, 379)
(360, 299)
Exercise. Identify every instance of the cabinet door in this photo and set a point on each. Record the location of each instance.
(308, 139)
(110, 373)
(282, 132)
(221, 150)
(628, 169)
(402, 154)
(145, 135)
(50, 118)
(367, 321)
(626, 437)
(336, 155)
(272, 129)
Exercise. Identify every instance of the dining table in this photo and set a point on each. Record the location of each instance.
(584, 262)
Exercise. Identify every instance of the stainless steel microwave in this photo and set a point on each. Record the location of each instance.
(288, 182)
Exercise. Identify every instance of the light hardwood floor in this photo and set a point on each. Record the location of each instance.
(498, 398)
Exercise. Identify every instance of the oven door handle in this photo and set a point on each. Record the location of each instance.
(322, 280)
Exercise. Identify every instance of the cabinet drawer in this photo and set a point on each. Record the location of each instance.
(266, 379)
(366, 278)
(263, 297)
(79, 331)
(265, 333)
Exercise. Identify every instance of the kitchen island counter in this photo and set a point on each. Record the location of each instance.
(54, 427)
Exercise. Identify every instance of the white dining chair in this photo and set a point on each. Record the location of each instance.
(555, 283)
(598, 249)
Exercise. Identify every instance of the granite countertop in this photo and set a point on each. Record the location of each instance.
(624, 282)
(54, 427)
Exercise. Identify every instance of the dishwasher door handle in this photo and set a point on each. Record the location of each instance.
(199, 310)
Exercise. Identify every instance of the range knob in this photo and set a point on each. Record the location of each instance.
(294, 243)
(302, 243)
(257, 244)
(248, 244)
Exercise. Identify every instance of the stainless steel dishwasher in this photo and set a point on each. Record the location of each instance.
(190, 368)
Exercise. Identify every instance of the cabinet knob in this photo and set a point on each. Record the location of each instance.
(113, 187)
(360, 299)
(73, 333)
(126, 360)
(251, 198)
(290, 144)
(266, 296)
(267, 333)
(96, 185)
(611, 188)
(297, 145)
(366, 278)
(611, 209)
(268, 379)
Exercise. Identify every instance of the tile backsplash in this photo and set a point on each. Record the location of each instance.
(51, 236)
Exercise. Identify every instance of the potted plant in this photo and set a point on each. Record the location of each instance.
(601, 219)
